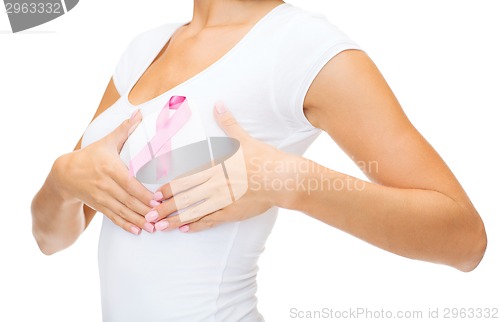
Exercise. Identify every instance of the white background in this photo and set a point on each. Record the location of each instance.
(441, 58)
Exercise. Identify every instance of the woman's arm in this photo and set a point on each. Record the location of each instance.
(59, 213)
(415, 207)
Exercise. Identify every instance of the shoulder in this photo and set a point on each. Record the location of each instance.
(298, 27)
(307, 40)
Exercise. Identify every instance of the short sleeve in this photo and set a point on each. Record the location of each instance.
(307, 46)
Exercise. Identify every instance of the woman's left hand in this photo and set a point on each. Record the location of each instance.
(251, 191)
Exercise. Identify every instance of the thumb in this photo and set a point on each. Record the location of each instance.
(228, 123)
(122, 132)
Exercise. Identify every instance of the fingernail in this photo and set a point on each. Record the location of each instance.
(135, 230)
(150, 228)
(220, 107)
(154, 203)
(158, 196)
(184, 228)
(134, 114)
(152, 215)
(161, 225)
(135, 120)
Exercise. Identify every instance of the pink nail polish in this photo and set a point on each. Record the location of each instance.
(135, 120)
(152, 215)
(158, 196)
(135, 230)
(184, 228)
(134, 114)
(149, 227)
(154, 203)
(220, 107)
(161, 225)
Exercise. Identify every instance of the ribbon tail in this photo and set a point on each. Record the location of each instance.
(140, 160)
(160, 145)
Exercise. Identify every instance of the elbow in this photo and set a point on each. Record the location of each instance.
(43, 246)
(49, 242)
(43, 236)
(47, 251)
(39, 235)
(474, 251)
(472, 261)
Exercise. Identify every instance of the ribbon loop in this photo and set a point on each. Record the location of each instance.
(160, 144)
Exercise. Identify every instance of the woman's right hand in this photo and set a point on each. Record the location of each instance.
(96, 176)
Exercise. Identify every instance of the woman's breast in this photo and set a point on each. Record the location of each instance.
(173, 275)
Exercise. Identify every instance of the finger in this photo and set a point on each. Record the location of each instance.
(119, 135)
(173, 222)
(120, 222)
(179, 201)
(168, 224)
(219, 197)
(191, 214)
(228, 123)
(209, 221)
(128, 200)
(215, 190)
(184, 183)
(132, 186)
(202, 209)
(236, 211)
(128, 215)
(161, 211)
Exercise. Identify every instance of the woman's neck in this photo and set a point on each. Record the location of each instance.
(211, 13)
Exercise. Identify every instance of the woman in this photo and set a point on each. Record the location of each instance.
(285, 74)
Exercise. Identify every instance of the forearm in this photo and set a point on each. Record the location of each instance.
(419, 224)
(58, 219)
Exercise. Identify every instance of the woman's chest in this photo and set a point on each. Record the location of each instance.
(252, 107)
(184, 57)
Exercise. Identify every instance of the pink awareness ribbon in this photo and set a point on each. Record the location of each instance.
(160, 143)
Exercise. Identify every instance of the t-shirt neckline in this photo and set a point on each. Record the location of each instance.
(258, 25)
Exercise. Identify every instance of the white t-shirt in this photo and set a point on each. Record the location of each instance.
(211, 275)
